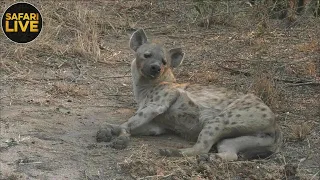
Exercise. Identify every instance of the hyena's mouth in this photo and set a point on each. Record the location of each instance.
(147, 75)
(154, 76)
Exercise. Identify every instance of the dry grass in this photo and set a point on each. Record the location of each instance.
(146, 164)
(71, 29)
(312, 46)
(63, 88)
(300, 132)
(205, 77)
(302, 69)
(264, 87)
(311, 69)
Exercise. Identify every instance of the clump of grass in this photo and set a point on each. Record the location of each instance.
(300, 132)
(74, 90)
(312, 46)
(72, 29)
(311, 69)
(205, 77)
(210, 13)
(303, 69)
(265, 88)
(143, 163)
(146, 164)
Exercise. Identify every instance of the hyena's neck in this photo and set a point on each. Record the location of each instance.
(142, 85)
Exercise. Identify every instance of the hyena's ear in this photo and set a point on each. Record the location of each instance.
(137, 39)
(175, 57)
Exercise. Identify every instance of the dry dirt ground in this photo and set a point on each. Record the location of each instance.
(58, 90)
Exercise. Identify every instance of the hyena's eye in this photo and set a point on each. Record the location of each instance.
(147, 54)
(164, 62)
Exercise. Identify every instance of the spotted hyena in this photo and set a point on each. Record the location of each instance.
(207, 115)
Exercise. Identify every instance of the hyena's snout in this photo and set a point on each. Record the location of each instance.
(152, 69)
(155, 69)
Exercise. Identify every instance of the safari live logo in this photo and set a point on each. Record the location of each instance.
(22, 22)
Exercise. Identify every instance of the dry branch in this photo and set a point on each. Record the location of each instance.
(294, 82)
(116, 76)
(117, 95)
(305, 84)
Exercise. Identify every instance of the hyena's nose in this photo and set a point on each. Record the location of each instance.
(155, 69)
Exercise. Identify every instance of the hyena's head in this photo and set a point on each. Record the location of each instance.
(151, 59)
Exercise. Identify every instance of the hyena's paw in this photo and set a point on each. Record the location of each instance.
(170, 152)
(121, 142)
(225, 156)
(203, 158)
(106, 133)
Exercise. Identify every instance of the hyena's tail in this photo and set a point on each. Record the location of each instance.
(265, 151)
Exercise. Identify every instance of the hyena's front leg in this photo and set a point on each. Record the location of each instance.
(113, 131)
(142, 118)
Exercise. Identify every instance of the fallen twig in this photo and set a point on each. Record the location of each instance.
(117, 95)
(86, 175)
(37, 80)
(315, 175)
(298, 82)
(292, 80)
(305, 84)
(295, 82)
(25, 79)
(234, 71)
(113, 63)
(102, 106)
(117, 76)
(79, 69)
(38, 162)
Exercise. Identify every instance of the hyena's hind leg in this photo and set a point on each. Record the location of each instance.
(228, 149)
(209, 135)
(150, 129)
